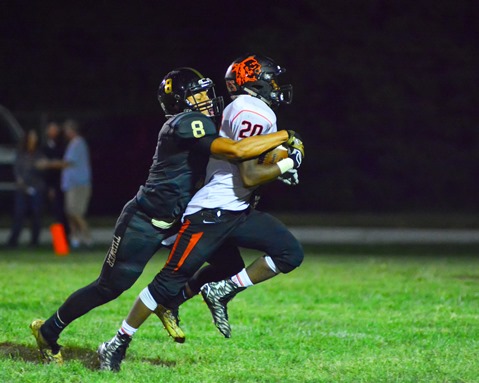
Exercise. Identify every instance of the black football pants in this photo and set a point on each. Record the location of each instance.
(210, 232)
(135, 241)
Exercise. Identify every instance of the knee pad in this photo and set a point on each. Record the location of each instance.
(148, 299)
(290, 259)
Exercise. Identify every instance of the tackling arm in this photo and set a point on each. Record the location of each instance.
(247, 148)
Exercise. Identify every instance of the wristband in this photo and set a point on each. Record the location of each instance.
(285, 164)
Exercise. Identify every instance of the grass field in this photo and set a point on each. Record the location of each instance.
(373, 314)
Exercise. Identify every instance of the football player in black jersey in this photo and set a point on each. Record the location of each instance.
(185, 142)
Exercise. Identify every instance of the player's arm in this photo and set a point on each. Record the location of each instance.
(254, 174)
(248, 148)
(205, 139)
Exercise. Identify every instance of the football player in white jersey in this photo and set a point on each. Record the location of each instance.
(252, 83)
(219, 218)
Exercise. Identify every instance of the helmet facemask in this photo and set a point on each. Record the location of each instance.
(270, 92)
(282, 94)
(211, 105)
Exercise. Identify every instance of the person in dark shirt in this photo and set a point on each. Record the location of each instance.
(54, 149)
(30, 189)
(185, 142)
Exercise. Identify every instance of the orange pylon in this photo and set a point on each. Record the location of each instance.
(59, 239)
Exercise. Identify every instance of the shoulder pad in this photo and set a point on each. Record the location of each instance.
(193, 125)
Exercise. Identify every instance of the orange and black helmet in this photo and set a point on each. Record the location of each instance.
(256, 75)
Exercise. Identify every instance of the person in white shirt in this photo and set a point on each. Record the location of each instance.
(76, 183)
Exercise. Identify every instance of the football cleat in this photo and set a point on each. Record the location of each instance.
(171, 321)
(112, 353)
(50, 351)
(217, 295)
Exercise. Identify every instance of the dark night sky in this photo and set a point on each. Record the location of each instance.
(386, 92)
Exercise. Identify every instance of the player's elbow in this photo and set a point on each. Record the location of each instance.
(228, 149)
(252, 180)
(237, 153)
(249, 181)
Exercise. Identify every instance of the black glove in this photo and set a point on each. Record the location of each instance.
(290, 177)
(296, 155)
(295, 141)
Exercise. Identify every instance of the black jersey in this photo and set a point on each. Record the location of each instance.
(179, 165)
(53, 151)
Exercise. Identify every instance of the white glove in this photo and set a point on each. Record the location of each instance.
(290, 177)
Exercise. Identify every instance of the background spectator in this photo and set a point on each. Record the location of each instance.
(76, 184)
(30, 188)
(54, 149)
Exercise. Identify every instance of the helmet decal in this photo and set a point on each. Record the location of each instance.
(168, 85)
(256, 76)
(247, 70)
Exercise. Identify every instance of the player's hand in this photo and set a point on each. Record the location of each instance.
(290, 178)
(295, 141)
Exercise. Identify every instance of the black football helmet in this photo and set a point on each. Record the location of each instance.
(183, 82)
(256, 75)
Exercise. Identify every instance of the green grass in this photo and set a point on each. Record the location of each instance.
(370, 314)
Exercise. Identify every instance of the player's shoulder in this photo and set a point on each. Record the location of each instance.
(251, 106)
(192, 125)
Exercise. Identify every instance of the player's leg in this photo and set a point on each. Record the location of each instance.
(134, 242)
(283, 253)
(268, 234)
(195, 241)
(225, 261)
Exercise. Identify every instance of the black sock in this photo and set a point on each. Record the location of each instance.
(178, 300)
(52, 328)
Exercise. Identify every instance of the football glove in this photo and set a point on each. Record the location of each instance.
(296, 155)
(290, 177)
(295, 141)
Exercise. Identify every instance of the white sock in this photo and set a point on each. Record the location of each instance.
(242, 279)
(127, 329)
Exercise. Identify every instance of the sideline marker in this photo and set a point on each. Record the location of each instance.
(59, 239)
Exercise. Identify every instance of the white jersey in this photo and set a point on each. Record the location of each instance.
(244, 117)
